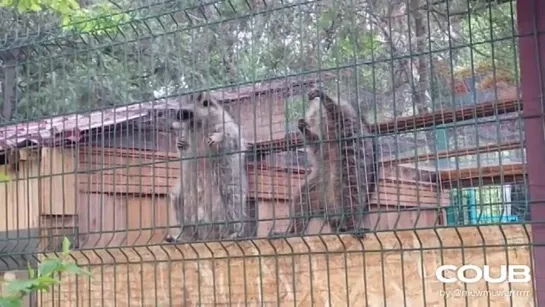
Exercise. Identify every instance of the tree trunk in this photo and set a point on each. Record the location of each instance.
(420, 97)
(9, 87)
(419, 93)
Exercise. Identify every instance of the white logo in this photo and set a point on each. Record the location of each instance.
(511, 273)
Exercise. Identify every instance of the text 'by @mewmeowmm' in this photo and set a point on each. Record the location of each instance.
(507, 273)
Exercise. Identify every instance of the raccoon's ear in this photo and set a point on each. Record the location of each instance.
(179, 115)
(183, 115)
(205, 101)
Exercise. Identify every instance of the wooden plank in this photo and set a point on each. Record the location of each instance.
(129, 153)
(421, 185)
(19, 199)
(122, 179)
(124, 189)
(109, 161)
(503, 105)
(400, 200)
(148, 220)
(475, 173)
(102, 220)
(134, 170)
(472, 182)
(507, 104)
(29, 153)
(54, 228)
(58, 181)
(407, 190)
(455, 153)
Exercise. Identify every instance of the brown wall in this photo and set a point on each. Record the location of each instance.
(390, 269)
(19, 202)
(114, 196)
(122, 197)
(401, 201)
(19, 212)
(261, 119)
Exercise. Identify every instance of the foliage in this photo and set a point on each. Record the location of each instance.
(97, 19)
(42, 278)
(386, 64)
(4, 177)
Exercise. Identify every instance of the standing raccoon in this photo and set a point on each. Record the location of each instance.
(342, 175)
(214, 184)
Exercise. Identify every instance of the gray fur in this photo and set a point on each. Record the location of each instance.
(213, 185)
(342, 175)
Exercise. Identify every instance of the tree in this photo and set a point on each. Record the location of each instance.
(390, 49)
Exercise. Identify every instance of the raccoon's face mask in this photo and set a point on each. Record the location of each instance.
(183, 118)
(184, 115)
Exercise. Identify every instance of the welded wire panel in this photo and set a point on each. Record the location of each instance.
(274, 153)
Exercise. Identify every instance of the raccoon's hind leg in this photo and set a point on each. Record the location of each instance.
(186, 234)
(351, 210)
(309, 136)
(352, 223)
(301, 205)
(237, 231)
(349, 215)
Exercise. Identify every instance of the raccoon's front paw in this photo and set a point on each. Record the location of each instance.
(315, 93)
(176, 238)
(170, 239)
(214, 139)
(302, 125)
(361, 233)
(182, 144)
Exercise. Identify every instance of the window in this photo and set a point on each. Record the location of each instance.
(488, 204)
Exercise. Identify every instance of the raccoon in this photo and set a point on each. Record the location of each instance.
(342, 175)
(213, 184)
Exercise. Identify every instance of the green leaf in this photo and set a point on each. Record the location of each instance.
(4, 177)
(65, 246)
(49, 266)
(11, 301)
(65, 21)
(44, 283)
(75, 269)
(72, 4)
(6, 3)
(20, 286)
(31, 271)
(35, 7)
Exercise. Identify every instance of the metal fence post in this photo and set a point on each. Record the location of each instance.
(531, 27)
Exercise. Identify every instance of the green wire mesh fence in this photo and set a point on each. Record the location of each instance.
(275, 153)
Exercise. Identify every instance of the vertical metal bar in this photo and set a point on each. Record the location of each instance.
(471, 203)
(531, 26)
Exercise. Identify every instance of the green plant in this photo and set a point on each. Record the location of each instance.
(97, 18)
(42, 278)
(4, 177)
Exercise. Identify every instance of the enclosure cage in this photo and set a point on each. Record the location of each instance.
(442, 101)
